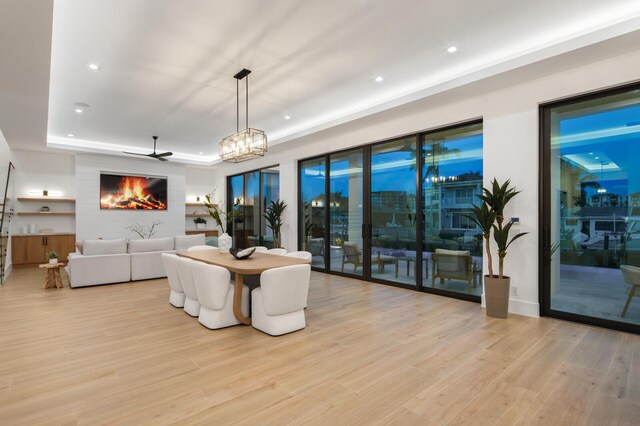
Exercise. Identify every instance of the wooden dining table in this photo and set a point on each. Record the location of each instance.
(256, 264)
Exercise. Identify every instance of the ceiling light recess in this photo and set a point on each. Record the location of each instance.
(246, 144)
(78, 110)
(379, 79)
(452, 49)
(94, 67)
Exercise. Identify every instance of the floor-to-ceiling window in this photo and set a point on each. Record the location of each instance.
(591, 209)
(249, 195)
(312, 213)
(393, 210)
(451, 182)
(386, 211)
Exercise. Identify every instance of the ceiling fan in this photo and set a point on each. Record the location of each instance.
(159, 156)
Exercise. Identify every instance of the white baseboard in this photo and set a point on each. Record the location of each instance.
(521, 307)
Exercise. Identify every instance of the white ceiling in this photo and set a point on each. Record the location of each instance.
(167, 66)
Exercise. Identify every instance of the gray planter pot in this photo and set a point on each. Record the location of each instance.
(496, 295)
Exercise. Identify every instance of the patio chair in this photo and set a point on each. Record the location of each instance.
(631, 276)
(351, 255)
(452, 264)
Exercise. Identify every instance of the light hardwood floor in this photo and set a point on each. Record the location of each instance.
(371, 354)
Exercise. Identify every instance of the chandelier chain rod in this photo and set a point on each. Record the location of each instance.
(246, 115)
(237, 106)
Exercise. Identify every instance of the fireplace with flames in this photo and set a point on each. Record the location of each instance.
(122, 192)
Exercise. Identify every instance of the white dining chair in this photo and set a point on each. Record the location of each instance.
(202, 248)
(305, 255)
(177, 296)
(215, 295)
(277, 307)
(185, 271)
(260, 249)
(278, 251)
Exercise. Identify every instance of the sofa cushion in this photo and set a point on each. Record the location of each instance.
(154, 244)
(183, 242)
(98, 247)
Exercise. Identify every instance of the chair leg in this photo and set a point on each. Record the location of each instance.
(632, 293)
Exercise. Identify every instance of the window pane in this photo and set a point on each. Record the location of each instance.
(393, 211)
(312, 193)
(345, 212)
(595, 208)
(236, 201)
(452, 179)
(270, 192)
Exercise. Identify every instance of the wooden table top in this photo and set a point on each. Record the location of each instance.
(52, 265)
(256, 264)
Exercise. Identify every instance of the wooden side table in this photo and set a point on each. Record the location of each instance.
(53, 279)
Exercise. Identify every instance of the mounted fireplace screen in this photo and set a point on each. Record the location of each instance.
(132, 192)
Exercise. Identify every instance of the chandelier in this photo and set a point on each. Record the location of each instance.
(246, 144)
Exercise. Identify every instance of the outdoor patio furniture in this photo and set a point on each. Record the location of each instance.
(452, 264)
(631, 276)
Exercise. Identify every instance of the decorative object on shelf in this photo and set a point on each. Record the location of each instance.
(53, 257)
(45, 209)
(200, 223)
(32, 228)
(158, 156)
(490, 217)
(198, 199)
(45, 193)
(242, 254)
(246, 144)
(273, 217)
(145, 231)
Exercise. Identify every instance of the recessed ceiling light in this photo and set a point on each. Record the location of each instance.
(452, 49)
(287, 117)
(591, 153)
(78, 110)
(379, 79)
(71, 135)
(597, 158)
(94, 67)
(201, 153)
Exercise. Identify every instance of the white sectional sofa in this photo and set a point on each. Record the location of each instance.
(116, 261)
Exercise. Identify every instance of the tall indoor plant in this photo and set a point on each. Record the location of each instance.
(222, 218)
(273, 216)
(490, 218)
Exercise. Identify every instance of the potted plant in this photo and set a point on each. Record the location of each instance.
(200, 223)
(222, 219)
(53, 257)
(490, 218)
(273, 217)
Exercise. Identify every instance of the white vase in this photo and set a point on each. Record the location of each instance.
(200, 226)
(53, 261)
(224, 243)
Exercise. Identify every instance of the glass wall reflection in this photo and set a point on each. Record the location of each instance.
(313, 176)
(393, 211)
(595, 208)
(345, 212)
(451, 181)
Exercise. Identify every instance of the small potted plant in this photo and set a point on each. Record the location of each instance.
(53, 257)
(274, 220)
(200, 223)
(490, 218)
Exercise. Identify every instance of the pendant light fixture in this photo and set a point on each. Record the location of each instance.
(246, 144)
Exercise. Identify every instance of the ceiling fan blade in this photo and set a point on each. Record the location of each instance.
(164, 154)
(136, 153)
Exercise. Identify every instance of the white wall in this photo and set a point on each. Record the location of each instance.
(508, 105)
(92, 222)
(6, 156)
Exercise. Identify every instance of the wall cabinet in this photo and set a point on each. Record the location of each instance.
(33, 249)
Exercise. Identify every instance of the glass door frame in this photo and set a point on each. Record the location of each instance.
(367, 222)
(544, 213)
(230, 201)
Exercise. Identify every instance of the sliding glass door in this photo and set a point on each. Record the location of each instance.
(384, 211)
(591, 213)
(249, 195)
(451, 182)
(393, 211)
